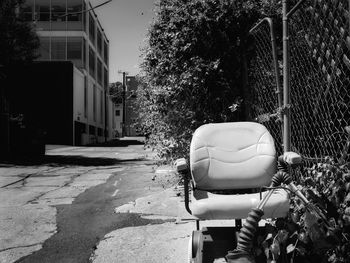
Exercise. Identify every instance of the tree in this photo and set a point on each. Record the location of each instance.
(18, 44)
(18, 41)
(116, 92)
(193, 69)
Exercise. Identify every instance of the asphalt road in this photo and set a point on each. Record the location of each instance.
(82, 224)
(69, 200)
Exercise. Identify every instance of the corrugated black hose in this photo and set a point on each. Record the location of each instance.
(243, 251)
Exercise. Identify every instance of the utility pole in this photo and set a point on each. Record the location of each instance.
(124, 102)
(106, 112)
(124, 106)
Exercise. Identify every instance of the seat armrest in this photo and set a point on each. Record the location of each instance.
(183, 169)
(292, 158)
(181, 166)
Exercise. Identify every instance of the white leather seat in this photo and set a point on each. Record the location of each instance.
(227, 156)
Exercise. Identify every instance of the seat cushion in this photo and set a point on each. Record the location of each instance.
(209, 206)
(232, 155)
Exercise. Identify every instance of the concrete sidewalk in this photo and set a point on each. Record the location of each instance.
(164, 242)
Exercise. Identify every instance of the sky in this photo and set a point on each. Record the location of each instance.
(125, 23)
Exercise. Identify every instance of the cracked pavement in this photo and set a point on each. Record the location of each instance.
(92, 204)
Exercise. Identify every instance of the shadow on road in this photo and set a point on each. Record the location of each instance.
(58, 160)
(118, 143)
(74, 160)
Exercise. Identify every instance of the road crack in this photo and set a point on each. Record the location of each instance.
(9, 248)
(71, 180)
(29, 175)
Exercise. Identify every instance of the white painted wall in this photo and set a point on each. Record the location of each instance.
(78, 109)
(118, 119)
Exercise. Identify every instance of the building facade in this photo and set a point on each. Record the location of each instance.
(70, 31)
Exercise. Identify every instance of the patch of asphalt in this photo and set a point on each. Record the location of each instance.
(82, 224)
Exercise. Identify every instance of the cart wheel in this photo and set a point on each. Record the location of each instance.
(195, 246)
(189, 251)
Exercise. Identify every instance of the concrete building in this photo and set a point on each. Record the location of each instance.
(68, 33)
(118, 119)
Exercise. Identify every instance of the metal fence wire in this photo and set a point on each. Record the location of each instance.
(263, 99)
(320, 79)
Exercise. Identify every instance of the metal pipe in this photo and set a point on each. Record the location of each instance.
(286, 79)
(124, 106)
(275, 62)
(295, 8)
(266, 197)
(258, 24)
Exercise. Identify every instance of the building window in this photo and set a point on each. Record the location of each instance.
(101, 105)
(42, 10)
(105, 78)
(74, 8)
(28, 10)
(75, 15)
(75, 50)
(99, 42)
(58, 48)
(92, 28)
(92, 130)
(105, 52)
(94, 103)
(99, 71)
(58, 15)
(84, 53)
(117, 112)
(44, 50)
(85, 97)
(58, 10)
(92, 57)
(84, 16)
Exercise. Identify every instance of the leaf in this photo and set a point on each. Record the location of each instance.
(275, 249)
(309, 219)
(290, 248)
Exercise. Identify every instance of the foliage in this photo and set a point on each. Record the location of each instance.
(304, 236)
(327, 185)
(116, 92)
(194, 69)
(18, 41)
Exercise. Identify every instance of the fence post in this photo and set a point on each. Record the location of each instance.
(286, 79)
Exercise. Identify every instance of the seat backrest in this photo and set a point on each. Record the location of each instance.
(236, 155)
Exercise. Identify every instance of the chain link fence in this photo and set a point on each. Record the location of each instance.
(263, 99)
(320, 80)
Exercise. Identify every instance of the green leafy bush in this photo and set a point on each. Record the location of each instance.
(194, 70)
(304, 236)
(327, 185)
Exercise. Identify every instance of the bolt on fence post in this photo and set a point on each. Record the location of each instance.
(286, 79)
